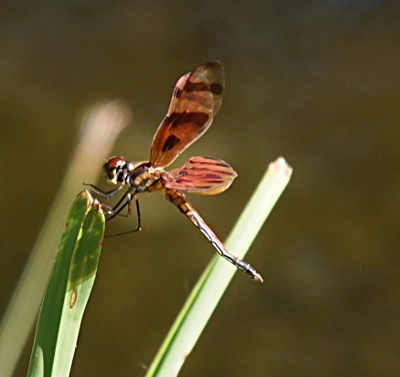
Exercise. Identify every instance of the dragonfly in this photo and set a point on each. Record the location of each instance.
(195, 101)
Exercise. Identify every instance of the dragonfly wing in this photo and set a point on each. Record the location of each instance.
(196, 99)
(202, 175)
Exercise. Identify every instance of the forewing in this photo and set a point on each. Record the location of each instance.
(202, 175)
(196, 99)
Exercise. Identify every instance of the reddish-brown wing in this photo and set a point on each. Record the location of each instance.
(195, 101)
(202, 175)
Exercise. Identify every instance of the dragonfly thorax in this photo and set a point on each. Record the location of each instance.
(144, 177)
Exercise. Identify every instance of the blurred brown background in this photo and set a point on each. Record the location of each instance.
(316, 82)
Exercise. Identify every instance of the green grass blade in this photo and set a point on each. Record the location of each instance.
(208, 291)
(68, 289)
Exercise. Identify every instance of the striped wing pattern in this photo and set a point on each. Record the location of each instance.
(196, 99)
(202, 175)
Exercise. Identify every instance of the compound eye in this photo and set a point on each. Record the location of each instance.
(115, 170)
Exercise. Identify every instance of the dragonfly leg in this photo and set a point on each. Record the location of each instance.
(128, 202)
(179, 199)
(125, 201)
(102, 193)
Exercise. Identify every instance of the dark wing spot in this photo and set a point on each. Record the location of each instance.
(213, 176)
(217, 89)
(177, 92)
(170, 143)
(197, 87)
(196, 119)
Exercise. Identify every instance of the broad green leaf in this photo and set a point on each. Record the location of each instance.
(68, 289)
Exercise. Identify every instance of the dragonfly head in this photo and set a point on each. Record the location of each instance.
(116, 170)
